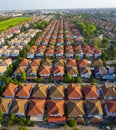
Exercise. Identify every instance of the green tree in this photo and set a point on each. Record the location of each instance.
(68, 78)
(1, 117)
(23, 128)
(92, 79)
(71, 123)
(96, 41)
(76, 129)
(23, 76)
(78, 79)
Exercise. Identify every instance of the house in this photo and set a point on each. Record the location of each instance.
(110, 70)
(2, 69)
(47, 63)
(90, 92)
(56, 108)
(25, 62)
(19, 107)
(24, 91)
(75, 109)
(57, 120)
(74, 91)
(97, 63)
(89, 53)
(86, 48)
(71, 63)
(56, 92)
(79, 52)
(110, 108)
(36, 109)
(7, 53)
(97, 54)
(18, 72)
(5, 105)
(69, 53)
(72, 71)
(45, 72)
(59, 53)
(93, 109)
(59, 63)
(85, 72)
(14, 53)
(40, 51)
(108, 92)
(31, 72)
(31, 54)
(50, 53)
(40, 91)
(101, 71)
(83, 63)
(58, 73)
(35, 63)
(10, 90)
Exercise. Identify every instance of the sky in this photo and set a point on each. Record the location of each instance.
(53, 4)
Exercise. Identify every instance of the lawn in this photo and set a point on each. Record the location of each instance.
(12, 22)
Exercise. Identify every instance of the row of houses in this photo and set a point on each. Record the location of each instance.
(106, 25)
(23, 38)
(70, 91)
(5, 35)
(58, 68)
(4, 64)
(56, 34)
(12, 51)
(56, 108)
(67, 51)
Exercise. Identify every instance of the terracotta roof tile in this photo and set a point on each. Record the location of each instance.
(24, 90)
(90, 91)
(56, 107)
(36, 107)
(74, 91)
(10, 90)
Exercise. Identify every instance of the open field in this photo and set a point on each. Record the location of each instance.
(12, 22)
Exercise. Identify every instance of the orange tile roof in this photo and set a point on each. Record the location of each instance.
(49, 52)
(24, 90)
(55, 107)
(111, 105)
(75, 108)
(86, 47)
(36, 107)
(24, 62)
(45, 70)
(56, 119)
(56, 91)
(58, 69)
(40, 91)
(35, 62)
(83, 62)
(74, 91)
(10, 90)
(19, 106)
(90, 91)
(89, 52)
(4, 104)
(94, 107)
(71, 62)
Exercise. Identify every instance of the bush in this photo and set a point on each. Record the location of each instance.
(76, 129)
(23, 128)
(0, 128)
(71, 123)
